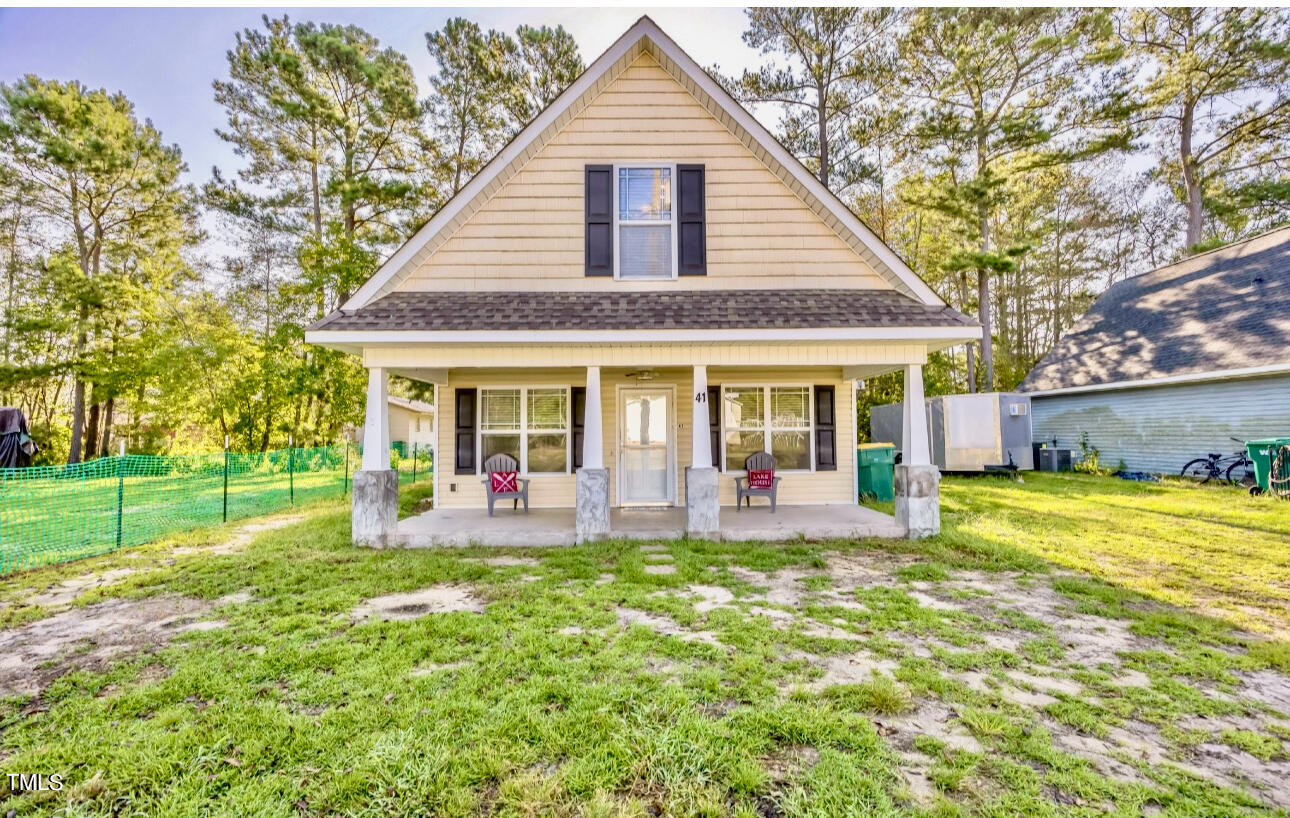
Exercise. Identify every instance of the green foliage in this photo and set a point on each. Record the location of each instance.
(830, 64)
(1212, 87)
(100, 195)
(1090, 459)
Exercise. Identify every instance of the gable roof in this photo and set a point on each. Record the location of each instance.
(1225, 311)
(644, 37)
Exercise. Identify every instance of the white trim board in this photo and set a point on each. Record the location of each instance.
(1198, 377)
(367, 337)
(645, 37)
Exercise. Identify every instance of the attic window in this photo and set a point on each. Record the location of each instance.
(644, 222)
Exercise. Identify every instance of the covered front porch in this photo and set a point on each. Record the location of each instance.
(650, 451)
(558, 526)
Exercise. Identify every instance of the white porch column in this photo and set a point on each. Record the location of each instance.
(700, 440)
(918, 494)
(376, 423)
(702, 507)
(593, 445)
(376, 485)
(914, 444)
(592, 483)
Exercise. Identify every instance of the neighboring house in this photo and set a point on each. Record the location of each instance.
(410, 421)
(644, 261)
(1172, 364)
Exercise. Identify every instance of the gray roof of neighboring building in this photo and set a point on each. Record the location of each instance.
(1221, 310)
(411, 405)
(634, 310)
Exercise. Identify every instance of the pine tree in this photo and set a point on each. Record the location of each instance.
(1215, 92)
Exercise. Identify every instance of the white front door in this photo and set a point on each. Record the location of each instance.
(645, 453)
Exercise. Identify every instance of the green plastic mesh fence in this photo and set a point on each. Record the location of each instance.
(51, 514)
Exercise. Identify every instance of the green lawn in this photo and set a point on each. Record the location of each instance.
(990, 671)
(53, 520)
(1211, 548)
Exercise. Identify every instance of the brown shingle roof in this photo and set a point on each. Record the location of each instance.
(634, 310)
(1225, 309)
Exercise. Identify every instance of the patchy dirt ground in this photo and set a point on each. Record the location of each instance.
(1008, 641)
(979, 686)
(418, 603)
(92, 637)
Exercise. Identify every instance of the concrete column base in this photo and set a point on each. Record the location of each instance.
(702, 509)
(376, 507)
(918, 500)
(593, 504)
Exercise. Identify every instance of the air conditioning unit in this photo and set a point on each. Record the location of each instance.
(1016, 410)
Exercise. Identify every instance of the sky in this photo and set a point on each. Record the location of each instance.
(164, 60)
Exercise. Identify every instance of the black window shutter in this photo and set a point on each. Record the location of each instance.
(578, 395)
(599, 195)
(465, 432)
(692, 240)
(826, 436)
(714, 423)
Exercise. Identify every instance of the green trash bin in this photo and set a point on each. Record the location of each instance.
(875, 464)
(1262, 452)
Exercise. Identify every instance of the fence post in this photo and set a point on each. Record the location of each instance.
(120, 492)
(344, 485)
(291, 467)
(414, 461)
(226, 478)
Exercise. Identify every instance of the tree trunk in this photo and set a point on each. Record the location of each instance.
(316, 186)
(983, 284)
(78, 421)
(92, 432)
(1191, 180)
(822, 133)
(106, 438)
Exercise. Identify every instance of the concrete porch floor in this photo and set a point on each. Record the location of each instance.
(555, 526)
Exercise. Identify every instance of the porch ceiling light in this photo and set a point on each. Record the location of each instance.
(643, 375)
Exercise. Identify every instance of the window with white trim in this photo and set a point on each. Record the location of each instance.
(775, 419)
(531, 424)
(645, 223)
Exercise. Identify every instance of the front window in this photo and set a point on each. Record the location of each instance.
(645, 223)
(775, 419)
(529, 424)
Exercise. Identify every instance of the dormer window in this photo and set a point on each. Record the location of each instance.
(646, 229)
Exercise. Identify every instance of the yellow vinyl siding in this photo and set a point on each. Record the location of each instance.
(529, 234)
(558, 491)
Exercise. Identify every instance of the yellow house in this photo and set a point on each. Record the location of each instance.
(642, 290)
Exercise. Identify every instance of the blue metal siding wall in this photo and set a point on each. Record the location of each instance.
(1158, 429)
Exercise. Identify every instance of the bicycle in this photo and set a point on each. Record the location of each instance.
(1236, 468)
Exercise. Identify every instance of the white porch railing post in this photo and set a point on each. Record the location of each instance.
(376, 425)
(593, 447)
(918, 492)
(592, 483)
(376, 485)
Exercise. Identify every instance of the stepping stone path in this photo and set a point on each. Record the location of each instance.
(657, 560)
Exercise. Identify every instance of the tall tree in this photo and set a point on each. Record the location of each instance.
(831, 62)
(338, 170)
(474, 90)
(999, 91)
(110, 187)
(1214, 86)
(546, 61)
(332, 129)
